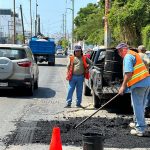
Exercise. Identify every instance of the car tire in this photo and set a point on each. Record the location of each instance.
(51, 63)
(96, 100)
(87, 91)
(30, 90)
(36, 84)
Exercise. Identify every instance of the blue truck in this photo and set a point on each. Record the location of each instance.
(43, 49)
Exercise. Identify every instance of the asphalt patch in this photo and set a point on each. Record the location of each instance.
(115, 132)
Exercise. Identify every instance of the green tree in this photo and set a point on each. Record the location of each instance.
(89, 24)
(129, 21)
(19, 38)
(146, 36)
(63, 42)
(127, 18)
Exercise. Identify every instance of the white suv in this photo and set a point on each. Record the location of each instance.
(18, 68)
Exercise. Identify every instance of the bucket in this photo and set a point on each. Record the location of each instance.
(92, 141)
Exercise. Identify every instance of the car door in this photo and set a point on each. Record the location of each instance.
(91, 70)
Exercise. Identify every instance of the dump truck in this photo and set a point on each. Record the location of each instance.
(43, 49)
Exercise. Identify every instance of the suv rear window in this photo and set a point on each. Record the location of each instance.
(13, 54)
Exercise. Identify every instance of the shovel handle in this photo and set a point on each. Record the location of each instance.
(96, 111)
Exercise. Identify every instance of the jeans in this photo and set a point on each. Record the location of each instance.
(139, 99)
(75, 82)
(148, 98)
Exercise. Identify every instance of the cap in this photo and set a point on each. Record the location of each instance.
(142, 47)
(77, 48)
(121, 45)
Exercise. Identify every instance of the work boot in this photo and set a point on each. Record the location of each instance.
(132, 125)
(68, 106)
(79, 106)
(137, 132)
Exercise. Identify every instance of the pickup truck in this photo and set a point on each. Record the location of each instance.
(105, 75)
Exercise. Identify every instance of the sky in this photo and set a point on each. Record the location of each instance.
(50, 11)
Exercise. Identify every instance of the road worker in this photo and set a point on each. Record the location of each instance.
(137, 78)
(78, 67)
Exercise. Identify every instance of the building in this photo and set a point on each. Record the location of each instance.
(7, 25)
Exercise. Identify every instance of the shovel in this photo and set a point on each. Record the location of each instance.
(96, 111)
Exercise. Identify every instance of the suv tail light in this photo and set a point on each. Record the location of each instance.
(24, 64)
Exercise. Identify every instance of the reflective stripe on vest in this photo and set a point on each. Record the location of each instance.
(140, 71)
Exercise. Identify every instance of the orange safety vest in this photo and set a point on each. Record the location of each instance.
(86, 73)
(140, 71)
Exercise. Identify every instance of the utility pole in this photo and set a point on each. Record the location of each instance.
(107, 34)
(22, 24)
(65, 22)
(38, 25)
(31, 17)
(63, 25)
(72, 24)
(14, 39)
(36, 19)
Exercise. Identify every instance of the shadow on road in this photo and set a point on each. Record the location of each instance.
(42, 92)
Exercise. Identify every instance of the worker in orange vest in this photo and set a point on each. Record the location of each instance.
(137, 78)
(77, 67)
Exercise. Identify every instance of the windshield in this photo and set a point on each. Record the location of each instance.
(13, 54)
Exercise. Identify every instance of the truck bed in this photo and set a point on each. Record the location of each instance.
(42, 47)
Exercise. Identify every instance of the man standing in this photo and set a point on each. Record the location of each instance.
(79, 71)
(146, 60)
(137, 78)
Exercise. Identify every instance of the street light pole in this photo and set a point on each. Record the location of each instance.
(65, 22)
(72, 46)
(31, 17)
(36, 19)
(14, 39)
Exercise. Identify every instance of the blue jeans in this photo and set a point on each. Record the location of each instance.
(148, 98)
(139, 99)
(75, 82)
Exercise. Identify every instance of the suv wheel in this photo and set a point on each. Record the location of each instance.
(30, 89)
(96, 100)
(87, 91)
(36, 84)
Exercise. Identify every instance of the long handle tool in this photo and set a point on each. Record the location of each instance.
(96, 111)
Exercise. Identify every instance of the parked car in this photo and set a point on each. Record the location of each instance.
(59, 52)
(105, 75)
(18, 68)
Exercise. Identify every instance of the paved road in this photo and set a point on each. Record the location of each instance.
(23, 118)
(47, 104)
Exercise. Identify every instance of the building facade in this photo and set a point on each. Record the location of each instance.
(7, 25)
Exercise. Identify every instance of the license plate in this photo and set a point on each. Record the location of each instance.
(3, 84)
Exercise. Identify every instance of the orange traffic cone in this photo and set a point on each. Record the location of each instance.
(56, 140)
